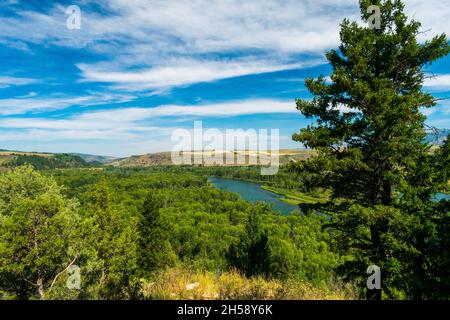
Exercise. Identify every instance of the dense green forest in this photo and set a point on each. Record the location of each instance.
(122, 227)
(129, 228)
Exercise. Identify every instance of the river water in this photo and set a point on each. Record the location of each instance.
(253, 192)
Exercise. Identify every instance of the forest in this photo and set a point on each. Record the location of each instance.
(149, 233)
(125, 227)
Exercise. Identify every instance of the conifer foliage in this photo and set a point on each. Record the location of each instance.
(370, 136)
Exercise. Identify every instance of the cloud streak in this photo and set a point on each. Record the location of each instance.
(129, 118)
(136, 126)
(6, 82)
(181, 73)
(38, 104)
(439, 82)
(139, 39)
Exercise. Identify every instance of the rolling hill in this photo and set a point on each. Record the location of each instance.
(164, 158)
(94, 158)
(10, 159)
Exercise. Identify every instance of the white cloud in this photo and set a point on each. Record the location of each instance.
(152, 44)
(128, 125)
(439, 82)
(24, 105)
(208, 25)
(6, 82)
(212, 26)
(258, 106)
(183, 72)
(433, 14)
(32, 103)
(147, 43)
(129, 118)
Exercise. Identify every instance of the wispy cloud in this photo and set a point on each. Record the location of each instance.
(6, 82)
(129, 126)
(439, 82)
(131, 119)
(150, 44)
(150, 33)
(32, 103)
(128, 118)
(127, 50)
(180, 73)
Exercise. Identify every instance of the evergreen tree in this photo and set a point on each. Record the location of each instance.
(114, 241)
(370, 138)
(154, 247)
(251, 254)
(430, 233)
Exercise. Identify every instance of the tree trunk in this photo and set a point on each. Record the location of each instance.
(40, 288)
(40, 281)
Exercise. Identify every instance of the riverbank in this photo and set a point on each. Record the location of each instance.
(253, 192)
(296, 197)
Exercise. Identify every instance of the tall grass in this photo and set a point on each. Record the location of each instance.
(178, 283)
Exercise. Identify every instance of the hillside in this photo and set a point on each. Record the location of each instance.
(164, 158)
(11, 159)
(437, 136)
(94, 158)
(150, 159)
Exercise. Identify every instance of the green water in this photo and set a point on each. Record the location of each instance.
(253, 192)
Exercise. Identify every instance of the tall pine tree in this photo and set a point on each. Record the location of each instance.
(155, 251)
(251, 254)
(370, 137)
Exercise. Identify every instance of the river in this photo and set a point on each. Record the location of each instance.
(441, 196)
(253, 192)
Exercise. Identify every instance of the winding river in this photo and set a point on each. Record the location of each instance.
(253, 192)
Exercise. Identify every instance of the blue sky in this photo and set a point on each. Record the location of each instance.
(137, 70)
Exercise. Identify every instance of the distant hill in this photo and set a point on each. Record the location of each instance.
(11, 159)
(150, 159)
(286, 155)
(437, 136)
(42, 161)
(94, 158)
(164, 158)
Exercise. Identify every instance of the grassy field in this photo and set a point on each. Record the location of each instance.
(296, 197)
